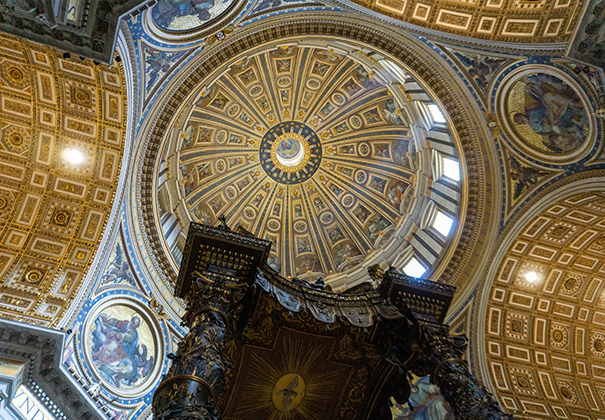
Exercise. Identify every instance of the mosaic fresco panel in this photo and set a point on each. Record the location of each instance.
(547, 114)
(522, 178)
(481, 69)
(120, 346)
(183, 15)
(157, 64)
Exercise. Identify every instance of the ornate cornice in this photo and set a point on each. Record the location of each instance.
(41, 351)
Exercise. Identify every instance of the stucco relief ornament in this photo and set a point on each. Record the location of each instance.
(492, 123)
(220, 35)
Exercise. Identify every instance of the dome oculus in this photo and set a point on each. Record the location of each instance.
(290, 152)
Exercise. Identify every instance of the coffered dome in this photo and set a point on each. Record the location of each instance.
(327, 151)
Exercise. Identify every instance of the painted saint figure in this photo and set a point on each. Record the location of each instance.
(391, 113)
(116, 350)
(118, 270)
(554, 111)
(168, 13)
(375, 227)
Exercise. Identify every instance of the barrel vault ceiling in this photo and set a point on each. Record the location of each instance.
(505, 21)
(53, 212)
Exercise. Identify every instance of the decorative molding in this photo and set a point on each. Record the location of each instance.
(41, 350)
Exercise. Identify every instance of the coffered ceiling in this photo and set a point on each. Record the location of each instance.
(545, 325)
(311, 150)
(509, 21)
(62, 123)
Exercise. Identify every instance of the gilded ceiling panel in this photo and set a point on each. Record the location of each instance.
(61, 127)
(545, 320)
(510, 21)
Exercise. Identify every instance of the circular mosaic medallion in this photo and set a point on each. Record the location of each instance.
(338, 98)
(361, 177)
(256, 90)
(274, 225)
(177, 15)
(347, 200)
(313, 84)
(231, 193)
(122, 346)
(326, 218)
(547, 115)
(250, 213)
(300, 226)
(284, 81)
(233, 110)
(290, 152)
(364, 149)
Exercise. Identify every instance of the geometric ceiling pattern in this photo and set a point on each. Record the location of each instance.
(61, 127)
(507, 21)
(545, 320)
(301, 146)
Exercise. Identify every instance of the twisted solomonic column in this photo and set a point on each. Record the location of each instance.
(428, 349)
(414, 338)
(197, 375)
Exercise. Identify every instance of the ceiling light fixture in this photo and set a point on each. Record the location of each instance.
(74, 156)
